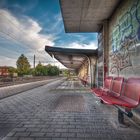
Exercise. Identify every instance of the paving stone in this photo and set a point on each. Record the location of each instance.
(78, 139)
(22, 134)
(60, 114)
(84, 135)
(61, 130)
(59, 139)
(69, 126)
(43, 138)
(11, 134)
(24, 138)
(47, 130)
(29, 126)
(68, 135)
(32, 129)
(19, 129)
(37, 134)
(77, 130)
(10, 138)
(53, 135)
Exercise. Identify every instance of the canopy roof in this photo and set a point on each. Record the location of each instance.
(69, 57)
(86, 15)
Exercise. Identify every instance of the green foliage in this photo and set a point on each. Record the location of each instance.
(12, 70)
(48, 70)
(23, 65)
(66, 72)
(32, 71)
(41, 70)
(52, 70)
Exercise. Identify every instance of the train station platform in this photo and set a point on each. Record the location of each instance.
(64, 110)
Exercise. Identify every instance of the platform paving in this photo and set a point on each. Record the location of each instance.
(66, 111)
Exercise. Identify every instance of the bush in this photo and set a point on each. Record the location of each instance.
(49, 70)
(52, 70)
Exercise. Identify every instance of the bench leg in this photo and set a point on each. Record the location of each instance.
(128, 112)
(120, 117)
(101, 101)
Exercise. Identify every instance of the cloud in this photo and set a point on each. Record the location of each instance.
(25, 35)
(25, 32)
(91, 45)
(6, 60)
(54, 23)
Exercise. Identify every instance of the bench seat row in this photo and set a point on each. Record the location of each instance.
(121, 92)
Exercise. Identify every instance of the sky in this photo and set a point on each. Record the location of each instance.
(26, 26)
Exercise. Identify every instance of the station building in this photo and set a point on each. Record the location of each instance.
(117, 23)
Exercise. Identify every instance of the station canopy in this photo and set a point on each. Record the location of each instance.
(86, 15)
(69, 57)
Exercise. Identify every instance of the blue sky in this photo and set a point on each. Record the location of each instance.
(26, 26)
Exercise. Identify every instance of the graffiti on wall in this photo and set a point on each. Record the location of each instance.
(125, 36)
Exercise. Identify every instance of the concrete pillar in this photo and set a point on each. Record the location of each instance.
(103, 53)
(93, 63)
(106, 47)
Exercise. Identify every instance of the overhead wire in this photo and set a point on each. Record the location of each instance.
(20, 41)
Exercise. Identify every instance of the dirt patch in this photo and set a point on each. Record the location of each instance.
(70, 103)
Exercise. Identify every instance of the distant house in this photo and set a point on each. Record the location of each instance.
(4, 70)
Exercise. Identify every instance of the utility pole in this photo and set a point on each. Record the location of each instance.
(34, 62)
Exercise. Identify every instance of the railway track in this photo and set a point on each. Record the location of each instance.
(24, 80)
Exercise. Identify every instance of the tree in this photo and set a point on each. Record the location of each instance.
(41, 70)
(49, 70)
(12, 70)
(23, 65)
(65, 72)
(52, 70)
